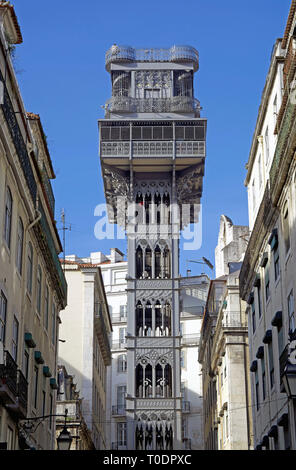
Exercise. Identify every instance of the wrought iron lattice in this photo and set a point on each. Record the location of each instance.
(18, 141)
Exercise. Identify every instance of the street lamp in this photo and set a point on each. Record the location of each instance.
(65, 439)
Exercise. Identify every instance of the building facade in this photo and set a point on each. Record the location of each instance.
(268, 278)
(193, 295)
(84, 347)
(32, 285)
(152, 150)
(224, 350)
(69, 412)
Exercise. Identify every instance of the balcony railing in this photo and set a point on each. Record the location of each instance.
(117, 318)
(22, 390)
(178, 54)
(103, 335)
(118, 410)
(234, 320)
(47, 237)
(20, 405)
(8, 378)
(153, 149)
(175, 104)
(18, 141)
(48, 189)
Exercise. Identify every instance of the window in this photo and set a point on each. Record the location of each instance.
(53, 323)
(267, 284)
(291, 311)
(30, 268)
(182, 359)
(119, 277)
(19, 245)
(121, 434)
(257, 390)
(38, 289)
(26, 362)
(254, 194)
(8, 217)
(263, 379)
(276, 264)
(271, 365)
(122, 311)
(260, 171)
(9, 438)
(14, 342)
(3, 312)
(253, 317)
(280, 339)
(275, 110)
(43, 402)
(44, 397)
(122, 363)
(50, 410)
(286, 229)
(35, 388)
(259, 300)
(267, 144)
(122, 333)
(46, 307)
(121, 394)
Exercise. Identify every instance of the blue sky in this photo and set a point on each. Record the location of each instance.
(61, 72)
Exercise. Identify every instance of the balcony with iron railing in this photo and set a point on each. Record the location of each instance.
(153, 149)
(19, 407)
(175, 104)
(103, 336)
(175, 54)
(8, 379)
(48, 189)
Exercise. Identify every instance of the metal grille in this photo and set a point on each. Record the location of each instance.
(114, 149)
(149, 149)
(191, 149)
(18, 141)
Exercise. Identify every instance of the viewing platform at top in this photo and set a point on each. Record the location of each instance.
(175, 54)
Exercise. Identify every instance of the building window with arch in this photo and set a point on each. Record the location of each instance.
(8, 217)
(122, 363)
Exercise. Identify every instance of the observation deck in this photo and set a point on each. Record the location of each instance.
(175, 54)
